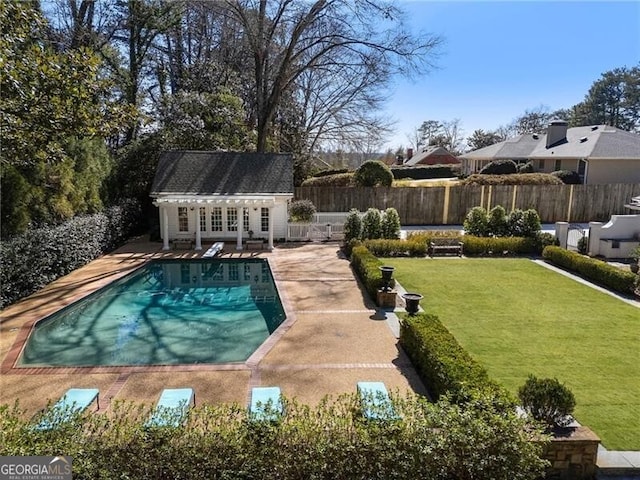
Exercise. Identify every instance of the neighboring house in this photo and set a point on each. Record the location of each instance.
(222, 196)
(600, 154)
(432, 155)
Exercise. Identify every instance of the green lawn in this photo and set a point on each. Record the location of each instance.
(517, 318)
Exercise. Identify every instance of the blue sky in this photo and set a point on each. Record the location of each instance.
(502, 58)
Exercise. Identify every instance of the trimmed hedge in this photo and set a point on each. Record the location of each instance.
(499, 245)
(444, 366)
(396, 248)
(513, 179)
(328, 441)
(336, 180)
(499, 167)
(595, 270)
(39, 256)
(425, 172)
(367, 268)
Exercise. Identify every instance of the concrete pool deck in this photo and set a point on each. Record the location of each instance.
(333, 337)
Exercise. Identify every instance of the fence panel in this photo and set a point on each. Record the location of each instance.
(426, 205)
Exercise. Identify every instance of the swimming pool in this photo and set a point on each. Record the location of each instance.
(167, 312)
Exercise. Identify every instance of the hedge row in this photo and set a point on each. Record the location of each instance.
(595, 270)
(499, 245)
(444, 366)
(396, 248)
(513, 179)
(327, 441)
(367, 267)
(40, 255)
(335, 180)
(424, 172)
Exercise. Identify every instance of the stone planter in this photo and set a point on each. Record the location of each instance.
(386, 298)
(387, 274)
(412, 302)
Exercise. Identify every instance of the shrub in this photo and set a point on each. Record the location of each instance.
(583, 245)
(372, 224)
(595, 270)
(567, 177)
(301, 211)
(474, 245)
(514, 179)
(367, 266)
(526, 168)
(476, 222)
(390, 223)
(39, 256)
(500, 167)
(336, 180)
(424, 172)
(547, 400)
(530, 224)
(516, 223)
(335, 171)
(497, 222)
(353, 226)
(443, 365)
(372, 173)
(396, 248)
(545, 239)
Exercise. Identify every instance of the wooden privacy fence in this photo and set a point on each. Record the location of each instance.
(450, 204)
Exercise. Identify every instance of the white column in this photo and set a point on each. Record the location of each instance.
(240, 216)
(165, 227)
(562, 233)
(270, 241)
(198, 234)
(595, 233)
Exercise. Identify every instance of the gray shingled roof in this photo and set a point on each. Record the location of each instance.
(600, 141)
(222, 173)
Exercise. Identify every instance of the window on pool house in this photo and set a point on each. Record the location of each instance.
(245, 219)
(203, 220)
(264, 219)
(232, 219)
(183, 219)
(216, 219)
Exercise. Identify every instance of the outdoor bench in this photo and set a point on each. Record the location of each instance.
(445, 246)
(182, 243)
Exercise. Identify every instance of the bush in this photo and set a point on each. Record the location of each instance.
(500, 167)
(526, 168)
(497, 222)
(476, 222)
(366, 266)
(547, 400)
(443, 365)
(372, 173)
(329, 440)
(424, 172)
(514, 179)
(545, 239)
(301, 211)
(337, 180)
(352, 226)
(396, 248)
(595, 270)
(39, 256)
(567, 177)
(530, 224)
(335, 171)
(372, 224)
(474, 245)
(583, 245)
(390, 223)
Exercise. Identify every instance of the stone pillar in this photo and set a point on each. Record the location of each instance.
(198, 233)
(562, 233)
(595, 232)
(165, 228)
(270, 240)
(240, 216)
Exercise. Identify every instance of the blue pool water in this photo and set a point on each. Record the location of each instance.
(167, 312)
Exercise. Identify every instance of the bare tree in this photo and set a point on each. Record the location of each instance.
(287, 38)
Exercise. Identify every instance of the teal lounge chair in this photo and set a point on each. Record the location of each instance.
(266, 404)
(375, 402)
(172, 407)
(214, 250)
(74, 401)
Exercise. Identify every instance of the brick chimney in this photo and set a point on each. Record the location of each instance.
(556, 133)
(409, 153)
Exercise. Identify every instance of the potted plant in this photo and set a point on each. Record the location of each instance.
(548, 401)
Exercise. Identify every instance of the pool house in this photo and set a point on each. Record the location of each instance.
(207, 196)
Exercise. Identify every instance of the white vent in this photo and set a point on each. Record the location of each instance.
(595, 127)
(583, 139)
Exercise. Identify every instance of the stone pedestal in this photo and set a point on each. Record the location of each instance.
(386, 299)
(573, 456)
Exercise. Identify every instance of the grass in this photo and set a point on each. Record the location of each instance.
(517, 318)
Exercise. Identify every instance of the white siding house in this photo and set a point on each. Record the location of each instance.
(212, 196)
